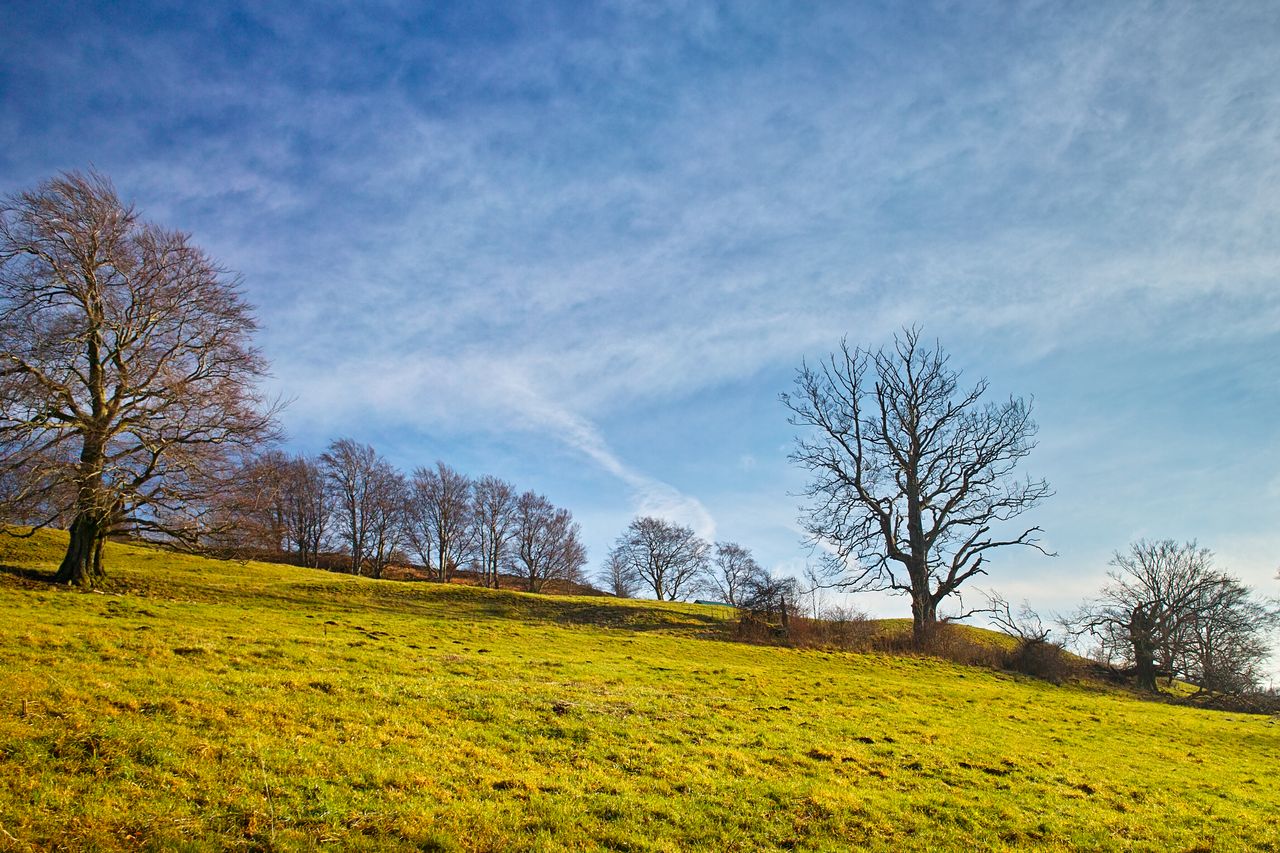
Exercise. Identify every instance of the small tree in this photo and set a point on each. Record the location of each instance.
(387, 508)
(127, 371)
(366, 492)
(307, 509)
(668, 558)
(615, 576)
(733, 572)
(911, 475)
(493, 519)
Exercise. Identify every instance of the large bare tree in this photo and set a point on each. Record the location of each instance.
(127, 372)
(666, 557)
(912, 477)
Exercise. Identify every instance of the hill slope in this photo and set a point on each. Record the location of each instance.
(210, 705)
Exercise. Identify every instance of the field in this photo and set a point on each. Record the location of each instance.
(219, 705)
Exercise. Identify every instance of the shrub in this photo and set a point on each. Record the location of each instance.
(1040, 658)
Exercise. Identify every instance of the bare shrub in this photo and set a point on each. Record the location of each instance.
(1043, 659)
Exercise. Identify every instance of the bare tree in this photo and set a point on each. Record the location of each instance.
(493, 519)
(439, 516)
(547, 543)
(1166, 611)
(911, 475)
(387, 509)
(249, 513)
(307, 509)
(765, 598)
(366, 492)
(1226, 648)
(616, 578)
(127, 373)
(733, 571)
(668, 558)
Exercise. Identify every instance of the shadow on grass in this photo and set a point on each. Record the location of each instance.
(27, 578)
(460, 602)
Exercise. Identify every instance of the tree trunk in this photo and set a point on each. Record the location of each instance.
(924, 619)
(1144, 648)
(82, 565)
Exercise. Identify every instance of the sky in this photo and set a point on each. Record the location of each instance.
(585, 247)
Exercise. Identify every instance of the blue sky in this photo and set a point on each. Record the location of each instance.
(586, 248)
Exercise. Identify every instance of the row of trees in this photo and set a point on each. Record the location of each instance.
(351, 499)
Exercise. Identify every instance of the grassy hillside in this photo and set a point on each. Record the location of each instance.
(209, 705)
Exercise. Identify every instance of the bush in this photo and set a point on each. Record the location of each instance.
(1040, 659)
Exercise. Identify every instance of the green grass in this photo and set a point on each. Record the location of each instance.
(213, 705)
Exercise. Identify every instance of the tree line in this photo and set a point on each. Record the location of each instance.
(351, 501)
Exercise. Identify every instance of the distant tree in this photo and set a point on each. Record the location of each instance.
(666, 557)
(387, 511)
(307, 509)
(733, 571)
(1226, 648)
(765, 599)
(616, 577)
(127, 371)
(439, 516)
(362, 486)
(493, 520)
(911, 475)
(1166, 611)
(547, 543)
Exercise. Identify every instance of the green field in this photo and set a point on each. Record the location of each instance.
(212, 705)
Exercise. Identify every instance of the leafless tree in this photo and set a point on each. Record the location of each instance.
(248, 514)
(1226, 648)
(766, 598)
(366, 493)
(666, 557)
(493, 520)
(1024, 625)
(1166, 611)
(547, 543)
(306, 509)
(387, 510)
(733, 571)
(127, 372)
(438, 517)
(911, 475)
(616, 578)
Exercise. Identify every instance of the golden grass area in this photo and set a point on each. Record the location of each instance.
(212, 705)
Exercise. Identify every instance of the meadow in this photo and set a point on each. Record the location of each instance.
(200, 704)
